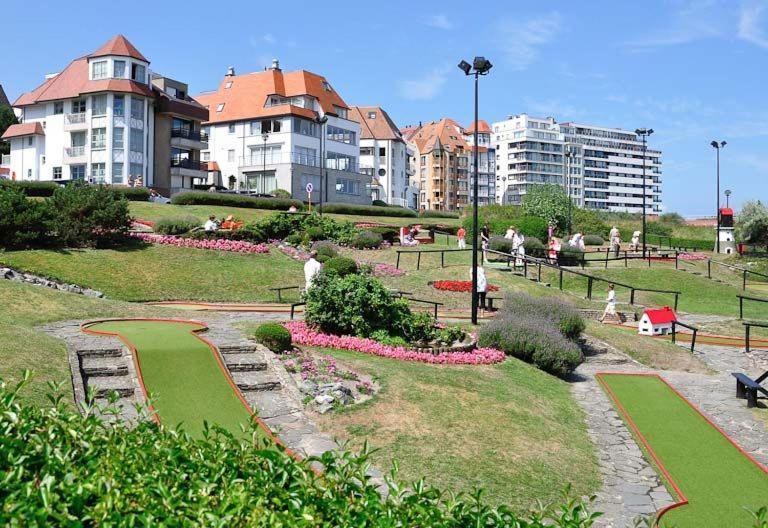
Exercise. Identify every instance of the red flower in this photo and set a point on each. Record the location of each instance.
(459, 286)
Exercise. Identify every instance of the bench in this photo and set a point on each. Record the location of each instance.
(489, 303)
(748, 388)
(280, 291)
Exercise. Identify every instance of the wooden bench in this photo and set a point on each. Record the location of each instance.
(280, 291)
(748, 388)
(489, 303)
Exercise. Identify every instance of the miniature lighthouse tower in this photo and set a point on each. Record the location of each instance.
(727, 239)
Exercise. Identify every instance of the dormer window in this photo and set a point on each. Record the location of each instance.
(100, 70)
(326, 86)
(371, 115)
(220, 108)
(228, 85)
(138, 73)
(119, 69)
(341, 112)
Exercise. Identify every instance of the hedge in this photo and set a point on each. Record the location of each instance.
(429, 213)
(46, 189)
(367, 210)
(233, 200)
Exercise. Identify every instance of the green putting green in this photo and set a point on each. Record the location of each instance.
(718, 480)
(181, 374)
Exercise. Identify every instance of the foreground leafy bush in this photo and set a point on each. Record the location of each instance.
(367, 240)
(593, 240)
(561, 315)
(31, 188)
(176, 225)
(23, 222)
(282, 194)
(586, 221)
(325, 250)
(274, 336)
(501, 244)
(233, 200)
(341, 266)
(61, 468)
(367, 210)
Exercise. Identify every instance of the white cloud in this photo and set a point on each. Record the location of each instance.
(749, 24)
(557, 108)
(440, 21)
(425, 87)
(269, 38)
(520, 41)
(693, 20)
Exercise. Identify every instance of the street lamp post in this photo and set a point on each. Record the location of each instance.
(569, 155)
(321, 120)
(644, 133)
(480, 66)
(717, 146)
(727, 198)
(265, 137)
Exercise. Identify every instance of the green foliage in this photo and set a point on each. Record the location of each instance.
(315, 233)
(23, 222)
(752, 225)
(274, 336)
(380, 203)
(367, 210)
(588, 222)
(88, 215)
(593, 240)
(31, 188)
(282, 194)
(341, 266)
(431, 213)
(132, 194)
(658, 228)
(501, 244)
(383, 337)
(569, 256)
(233, 200)
(249, 232)
(176, 225)
(367, 240)
(674, 219)
(532, 226)
(498, 218)
(419, 328)
(388, 234)
(7, 118)
(325, 251)
(549, 202)
(532, 245)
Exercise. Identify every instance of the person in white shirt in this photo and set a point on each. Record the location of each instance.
(311, 269)
(635, 241)
(510, 234)
(482, 286)
(211, 224)
(610, 307)
(614, 233)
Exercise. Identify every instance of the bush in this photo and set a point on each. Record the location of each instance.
(282, 194)
(561, 315)
(452, 229)
(274, 336)
(431, 213)
(341, 266)
(88, 215)
(177, 225)
(23, 222)
(593, 240)
(295, 239)
(249, 232)
(367, 210)
(533, 245)
(132, 194)
(586, 221)
(658, 228)
(418, 328)
(388, 234)
(367, 240)
(532, 226)
(501, 244)
(31, 188)
(549, 203)
(233, 200)
(570, 256)
(674, 219)
(380, 203)
(325, 251)
(315, 233)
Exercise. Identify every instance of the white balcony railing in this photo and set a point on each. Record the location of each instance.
(75, 119)
(74, 152)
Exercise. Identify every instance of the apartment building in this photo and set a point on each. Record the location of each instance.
(486, 154)
(599, 167)
(442, 161)
(270, 130)
(383, 156)
(96, 121)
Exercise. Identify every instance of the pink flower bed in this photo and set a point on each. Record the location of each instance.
(304, 335)
(235, 246)
(693, 256)
(384, 270)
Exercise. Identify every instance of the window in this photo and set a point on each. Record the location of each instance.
(57, 173)
(206, 155)
(98, 171)
(346, 186)
(334, 160)
(220, 107)
(58, 107)
(138, 73)
(341, 112)
(340, 134)
(135, 171)
(78, 106)
(98, 138)
(119, 69)
(100, 70)
(231, 128)
(366, 151)
(382, 151)
(305, 156)
(305, 127)
(137, 140)
(118, 105)
(228, 85)
(117, 172)
(99, 105)
(118, 137)
(137, 108)
(29, 141)
(371, 115)
(266, 126)
(77, 172)
(230, 155)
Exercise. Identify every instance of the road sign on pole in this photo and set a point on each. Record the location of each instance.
(309, 195)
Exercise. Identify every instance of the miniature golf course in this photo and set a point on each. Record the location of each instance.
(181, 373)
(713, 479)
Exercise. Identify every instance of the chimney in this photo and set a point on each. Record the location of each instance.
(230, 71)
(275, 65)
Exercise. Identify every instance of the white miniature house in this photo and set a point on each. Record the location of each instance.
(657, 322)
(726, 234)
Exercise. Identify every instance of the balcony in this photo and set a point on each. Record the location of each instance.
(189, 167)
(75, 121)
(75, 155)
(257, 160)
(187, 139)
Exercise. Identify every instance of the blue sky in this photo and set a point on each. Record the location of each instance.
(693, 70)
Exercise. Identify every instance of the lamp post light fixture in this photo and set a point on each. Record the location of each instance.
(480, 66)
(717, 146)
(321, 120)
(265, 137)
(727, 198)
(644, 133)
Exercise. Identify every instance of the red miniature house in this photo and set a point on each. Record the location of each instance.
(657, 322)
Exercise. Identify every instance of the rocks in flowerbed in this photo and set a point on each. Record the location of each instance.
(324, 385)
(18, 276)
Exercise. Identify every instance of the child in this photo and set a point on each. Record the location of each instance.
(610, 307)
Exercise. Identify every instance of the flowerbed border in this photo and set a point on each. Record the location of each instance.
(219, 244)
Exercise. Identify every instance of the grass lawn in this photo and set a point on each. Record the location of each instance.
(509, 428)
(181, 374)
(718, 480)
(155, 272)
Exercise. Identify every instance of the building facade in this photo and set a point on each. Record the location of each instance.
(599, 167)
(270, 130)
(486, 153)
(383, 156)
(94, 121)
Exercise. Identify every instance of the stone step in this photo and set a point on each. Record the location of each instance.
(244, 348)
(104, 385)
(100, 352)
(245, 362)
(103, 366)
(255, 381)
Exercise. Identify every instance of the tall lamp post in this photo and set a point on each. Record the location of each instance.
(480, 66)
(265, 137)
(321, 120)
(727, 198)
(717, 146)
(569, 155)
(644, 133)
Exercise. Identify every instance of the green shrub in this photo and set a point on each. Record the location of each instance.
(325, 250)
(233, 200)
(593, 240)
(450, 229)
(501, 244)
(533, 244)
(315, 233)
(296, 239)
(132, 194)
(31, 188)
(532, 226)
(282, 194)
(658, 228)
(383, 337)
(570, 256)
(177, 225)
(341, 266)
(380, 203)
(367, 210)
(388, 234)
(431, 213)
(249, 232)
(674, 219)
(279, 226)
(367, 240)
(274, 336)
(23, 222)
(586, 221)
(88, 215)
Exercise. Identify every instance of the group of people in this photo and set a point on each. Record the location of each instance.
(212, 224)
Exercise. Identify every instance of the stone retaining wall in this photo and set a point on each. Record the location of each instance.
(29, 278)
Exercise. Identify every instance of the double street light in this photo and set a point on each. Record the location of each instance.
(480, 66)
(644, 133)
(717, 146)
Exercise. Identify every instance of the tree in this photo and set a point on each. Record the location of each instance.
(7, 118)
(548, 202)
(752, 225)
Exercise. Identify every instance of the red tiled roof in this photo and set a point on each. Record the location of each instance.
(445, 133)
(662, 316)
(247, 95)
(482, 127)
(379, 127)
(23, 129)
(119, 45)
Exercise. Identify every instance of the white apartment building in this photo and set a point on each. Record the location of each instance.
(270, 130)
(486, 153)
(599, 167)
(383, 156)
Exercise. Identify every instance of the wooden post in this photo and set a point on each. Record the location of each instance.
(676, 255)
(435, 311)
(709, 268)
(561, 279)
(674, 332)
(746, 336)
(607, 250)
(418, 261)
(626, 261)
(539, 271)
(693, 340)
(397, 266)
(677, 295)
(589, 288)
(442, 259)
(744, 282)
(631, 296)
(741, 307)
(525, 269)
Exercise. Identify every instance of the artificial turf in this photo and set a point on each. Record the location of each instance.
(181, 374)
(718, 480)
